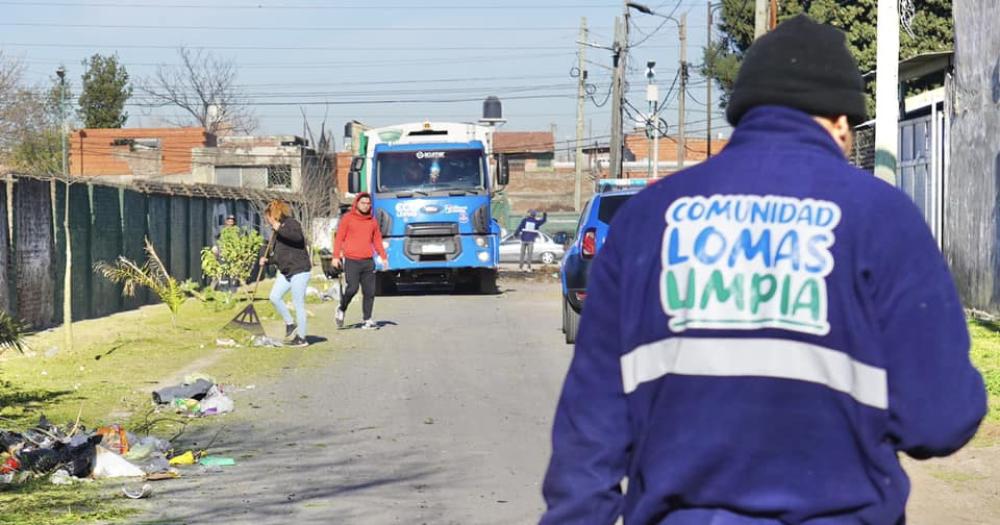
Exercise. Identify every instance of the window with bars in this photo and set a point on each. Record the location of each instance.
(279, 177)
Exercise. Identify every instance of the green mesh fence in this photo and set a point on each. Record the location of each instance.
(105, 222)
(32, 251)
(197, 226)
(58, 253)
(158, 226)
(133, 239)
(79, 236)
(5, 281)
(179, 230)
(105, 245)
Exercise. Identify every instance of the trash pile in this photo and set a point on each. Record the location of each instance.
(77, 455)
(198, 395)
(71, 455)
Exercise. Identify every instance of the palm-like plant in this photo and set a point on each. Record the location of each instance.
(11, 333)
(152, 275)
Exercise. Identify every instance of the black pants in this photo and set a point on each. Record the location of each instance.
(359, 273)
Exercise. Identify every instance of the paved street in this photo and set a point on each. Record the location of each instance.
(441, 416)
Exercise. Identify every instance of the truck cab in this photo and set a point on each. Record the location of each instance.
(431, 186)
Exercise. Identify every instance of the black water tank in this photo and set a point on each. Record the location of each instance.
(492, 109)
(348, 129)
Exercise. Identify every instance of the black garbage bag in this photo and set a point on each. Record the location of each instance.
(9, 440)
(42, 460)
(78, 458)
(196, 390)
(83, 456)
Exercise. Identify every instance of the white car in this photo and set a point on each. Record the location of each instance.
(545, 250)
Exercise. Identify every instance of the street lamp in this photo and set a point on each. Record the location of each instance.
(61, 73)
(653, 120)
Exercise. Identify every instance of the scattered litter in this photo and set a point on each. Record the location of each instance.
(61, 477)
(216, 461)
(215, 403)
(70, 454)
(144, 492)
(226, 341)
(186, 458)
(263, 340)
(312, 292)
(189, 406)
(159, 476)
(115, 439)
(195, 390)
(251, 387)
(111, 465)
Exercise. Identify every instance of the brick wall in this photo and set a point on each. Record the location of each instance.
(550, 190)
(93, 151)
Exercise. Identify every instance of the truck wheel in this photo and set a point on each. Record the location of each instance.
(488, 282)
(548, 258)
(572, 322)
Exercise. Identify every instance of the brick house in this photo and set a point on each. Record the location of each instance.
(122, 153)
(192, 155)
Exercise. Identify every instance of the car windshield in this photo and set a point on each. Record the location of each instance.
(609, 206)
(430, 171)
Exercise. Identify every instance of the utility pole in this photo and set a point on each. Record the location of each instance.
(618, 93)
(681, 94)
(581, 92)
(887, 90)
(708, 88)
(760, 18)
(61, 73)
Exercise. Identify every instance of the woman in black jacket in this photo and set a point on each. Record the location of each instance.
(292, 259)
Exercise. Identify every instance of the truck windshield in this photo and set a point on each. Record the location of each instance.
(429, 171)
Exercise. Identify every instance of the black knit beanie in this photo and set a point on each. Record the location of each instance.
(802, 65)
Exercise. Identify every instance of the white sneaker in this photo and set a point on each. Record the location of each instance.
(369, 325)
(339, 317)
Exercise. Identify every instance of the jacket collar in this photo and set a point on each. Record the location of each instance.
(783, 127)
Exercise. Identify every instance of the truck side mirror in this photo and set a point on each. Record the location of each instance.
(354, 181)
(354, 174)
(503, 170)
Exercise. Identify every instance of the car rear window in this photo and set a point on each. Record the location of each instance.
(609, 206)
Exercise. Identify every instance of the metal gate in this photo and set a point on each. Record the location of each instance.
(922, 163)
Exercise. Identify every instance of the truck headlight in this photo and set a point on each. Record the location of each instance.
(481, 242)
(484, 256)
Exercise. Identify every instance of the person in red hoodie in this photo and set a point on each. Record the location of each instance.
(358, 240)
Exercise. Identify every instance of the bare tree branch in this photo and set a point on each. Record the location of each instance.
(205, 87)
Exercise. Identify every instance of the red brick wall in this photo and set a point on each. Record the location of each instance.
(92, 152)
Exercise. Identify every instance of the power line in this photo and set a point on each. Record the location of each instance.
(297, 48)
(364, 102)
(281, 28)
(262, 7)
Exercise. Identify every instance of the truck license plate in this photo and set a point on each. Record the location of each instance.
(433, 248)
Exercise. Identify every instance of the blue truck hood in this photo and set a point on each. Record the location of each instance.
(458, 210)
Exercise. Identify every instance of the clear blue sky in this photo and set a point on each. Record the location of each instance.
(299, 55)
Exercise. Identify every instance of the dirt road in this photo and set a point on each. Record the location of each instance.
(442, 417)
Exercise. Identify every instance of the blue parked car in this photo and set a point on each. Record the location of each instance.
(590, 235)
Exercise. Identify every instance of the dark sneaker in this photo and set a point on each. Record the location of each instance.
(290, 329)
(297, 341)
(339, 317)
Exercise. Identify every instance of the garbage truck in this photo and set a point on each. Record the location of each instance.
(431, 185)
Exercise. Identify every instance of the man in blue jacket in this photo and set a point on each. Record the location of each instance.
(765, 331)
(527, 231)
